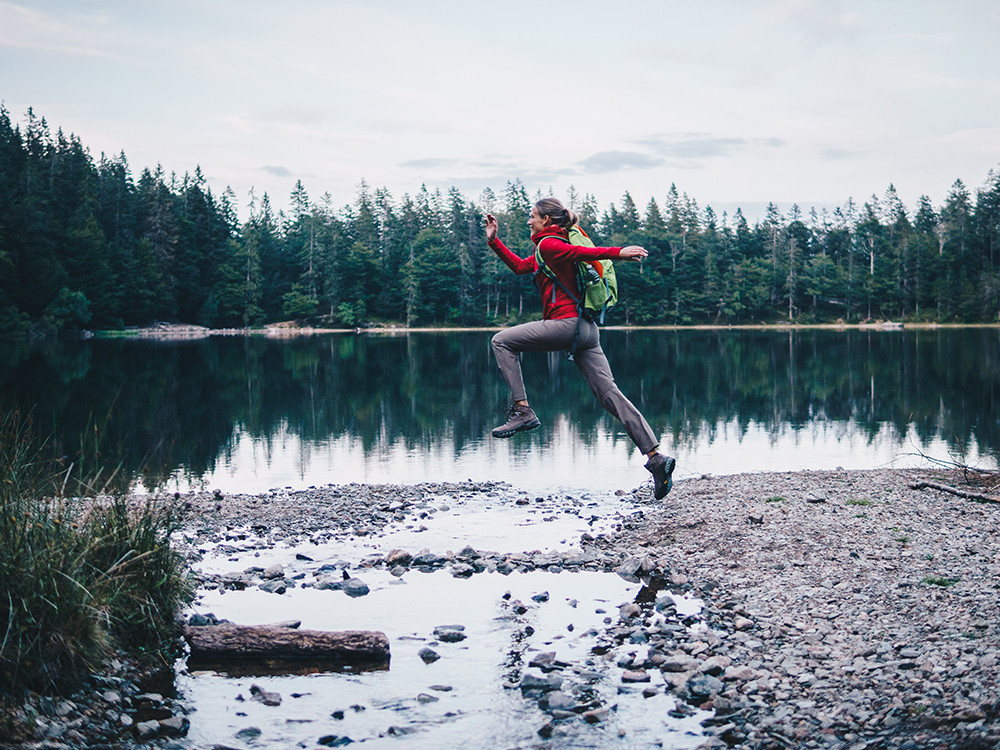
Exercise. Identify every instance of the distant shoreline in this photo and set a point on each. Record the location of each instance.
(290, 330)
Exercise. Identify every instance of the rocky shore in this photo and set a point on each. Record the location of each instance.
(841, 609)
(855, 611)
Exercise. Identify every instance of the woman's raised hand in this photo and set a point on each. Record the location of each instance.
(633, 252)
(491, 228)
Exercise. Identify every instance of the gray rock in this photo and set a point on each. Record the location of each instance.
(741, 673)
(665, 603)
(714, 665)
(680, 663)
(544, 683)
(450, 633)
(629, 569)
(332, 740)
(175, 726)
(543, 660)
(629, 611)
(428, 655)
(635, 675)
(596, 716)
(147, 730)
(556, 700)
(428, 559)
(704, 685)
(329, 583)
(355, 587)
(273, 587)
(398, 557)
(263, 696)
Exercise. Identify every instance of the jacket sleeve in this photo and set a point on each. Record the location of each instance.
(514, 262)
(555, 250)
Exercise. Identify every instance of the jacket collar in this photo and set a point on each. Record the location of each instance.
(552, 231)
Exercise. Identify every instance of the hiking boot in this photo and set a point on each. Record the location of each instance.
(519, 419)
(662, 469)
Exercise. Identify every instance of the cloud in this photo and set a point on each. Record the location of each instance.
(430, 163)
(474, 174)
(611, 161)
(293, 116)
(768, 142)
(38, 31)
(276, 171)
(836, 153)
(703, 148)
(695, 146)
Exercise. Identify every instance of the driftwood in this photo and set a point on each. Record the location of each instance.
(978, 497)
(244, 643)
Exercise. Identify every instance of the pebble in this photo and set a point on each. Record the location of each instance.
(268, 698)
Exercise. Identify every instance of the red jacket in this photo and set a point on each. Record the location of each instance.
(560, 257)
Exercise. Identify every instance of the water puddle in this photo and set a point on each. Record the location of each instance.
(473, 658)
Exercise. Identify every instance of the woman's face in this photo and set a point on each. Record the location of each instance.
(537, 223)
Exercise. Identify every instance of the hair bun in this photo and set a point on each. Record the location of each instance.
(561, 216)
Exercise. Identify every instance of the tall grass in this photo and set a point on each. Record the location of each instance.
(84, 569)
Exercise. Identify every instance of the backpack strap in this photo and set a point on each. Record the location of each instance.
(544, 268)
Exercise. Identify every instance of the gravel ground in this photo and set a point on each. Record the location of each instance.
(843, 609)
(858, 612)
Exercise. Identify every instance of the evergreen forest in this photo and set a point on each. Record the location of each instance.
(86, 244)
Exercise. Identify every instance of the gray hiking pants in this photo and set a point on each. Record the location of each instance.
(556, 335)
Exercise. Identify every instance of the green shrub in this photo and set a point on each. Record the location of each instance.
(82, 572)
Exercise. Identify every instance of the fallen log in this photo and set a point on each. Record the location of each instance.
(249, 643)
(967, 494)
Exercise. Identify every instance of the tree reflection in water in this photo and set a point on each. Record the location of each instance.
(185, 407)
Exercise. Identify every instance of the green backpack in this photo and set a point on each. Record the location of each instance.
(596, 279)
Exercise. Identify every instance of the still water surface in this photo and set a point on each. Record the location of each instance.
(248, 414)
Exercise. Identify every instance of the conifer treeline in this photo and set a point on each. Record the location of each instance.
(85, 244)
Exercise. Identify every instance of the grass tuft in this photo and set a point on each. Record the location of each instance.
(83, 569)
(938, 581)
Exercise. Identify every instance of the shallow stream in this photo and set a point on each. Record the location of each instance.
(522, 623)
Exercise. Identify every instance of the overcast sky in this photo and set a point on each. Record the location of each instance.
(737, 102)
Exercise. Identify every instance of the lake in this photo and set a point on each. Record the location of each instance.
(244, 414)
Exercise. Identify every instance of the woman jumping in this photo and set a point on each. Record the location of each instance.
(561, 323)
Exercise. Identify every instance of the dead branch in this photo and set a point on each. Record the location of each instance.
(977, 496)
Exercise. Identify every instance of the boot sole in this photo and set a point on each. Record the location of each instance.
(522, 428)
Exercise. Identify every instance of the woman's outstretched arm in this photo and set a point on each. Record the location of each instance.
(515, 263)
